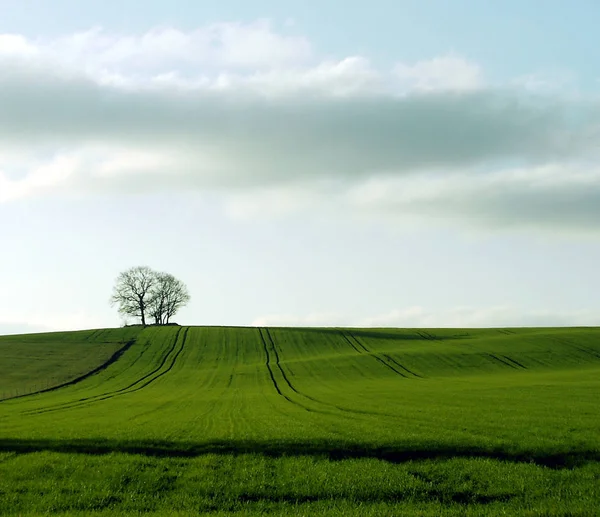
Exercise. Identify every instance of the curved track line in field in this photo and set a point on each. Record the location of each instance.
(580, 348)
(388, 359)
(347, 339)
(93, 334)
(113, 358)
(278, 362)
(269, 341)
(514, 362)
(343, 409)
(145, 381)
(268, 363)
(375, 356)
(170, 367)
(272, 374)
(426, 335)
(393, 361)
(503, 361)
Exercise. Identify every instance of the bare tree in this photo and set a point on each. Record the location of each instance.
(157, 303)
(132, 291)
(168, 295)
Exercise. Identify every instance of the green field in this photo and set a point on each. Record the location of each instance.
(192, 420)
(36, 362)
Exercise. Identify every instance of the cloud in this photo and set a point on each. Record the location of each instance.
(225, 139)
(450, 72)
(252, 45)
(557, 196)
(16, 45)
(547, 82)
(259, 116)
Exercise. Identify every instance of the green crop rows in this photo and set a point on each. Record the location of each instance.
(32, 363)
(192, 420)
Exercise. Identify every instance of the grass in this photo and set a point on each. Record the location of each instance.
(36, 362)
(313, 421)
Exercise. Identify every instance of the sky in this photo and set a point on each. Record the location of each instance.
(385, 163)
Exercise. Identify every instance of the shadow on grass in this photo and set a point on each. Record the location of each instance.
(332, 450)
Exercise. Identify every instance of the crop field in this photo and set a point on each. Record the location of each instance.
(283, 421)
(32, 363)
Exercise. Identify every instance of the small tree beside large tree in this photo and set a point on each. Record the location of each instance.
(144, 293)
(167, 296)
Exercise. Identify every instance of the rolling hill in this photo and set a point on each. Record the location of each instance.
(301, 421)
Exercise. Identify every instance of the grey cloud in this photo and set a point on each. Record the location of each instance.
(251, 138)
(564, 207)
(241, 141)
(473, 201)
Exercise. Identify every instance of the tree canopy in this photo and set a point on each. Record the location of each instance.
(143, 293)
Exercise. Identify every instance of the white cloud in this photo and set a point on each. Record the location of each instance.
(41, 177)
(347, 77)
(16, 45)
(450, 72)
(247, 46)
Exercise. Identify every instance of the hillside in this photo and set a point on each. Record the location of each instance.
(36, 362)
(309, 420)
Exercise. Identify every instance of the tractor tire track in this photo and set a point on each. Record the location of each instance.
(269, 341)
(170, 367)
(285, 377)
(149, 378)
(272, 374)
(515, 362)
(93, 335)
(126, 390)
(278, 363)
(504, 362)
(393, 361)
(112, 359)
(343, 409)
(374, 355)
(353, 339)
(580, 348)
(347, 339)
(426, 335)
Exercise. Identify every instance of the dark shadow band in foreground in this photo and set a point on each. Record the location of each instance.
(332, 450)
